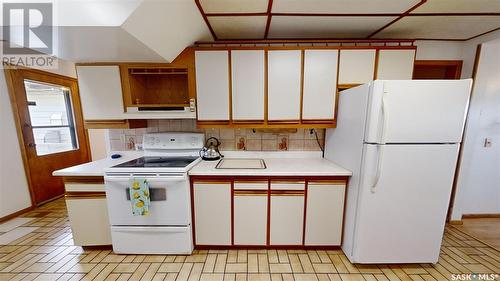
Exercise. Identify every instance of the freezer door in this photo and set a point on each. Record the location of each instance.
(417, 111)
(404, 197)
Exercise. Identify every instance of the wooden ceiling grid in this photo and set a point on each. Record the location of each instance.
(269, 14)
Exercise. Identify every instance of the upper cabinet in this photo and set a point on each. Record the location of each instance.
(394, 64)
(356, 66)
(320, 85)
(248, 82)
(100, 92)
(212, 85)
(284, 85)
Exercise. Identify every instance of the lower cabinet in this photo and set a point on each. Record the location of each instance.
(324, 216)
(267, 212)
(287, 213)
(212, 213)
(250, 213)
(88, 213)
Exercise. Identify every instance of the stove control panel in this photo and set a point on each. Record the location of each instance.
(155, 141)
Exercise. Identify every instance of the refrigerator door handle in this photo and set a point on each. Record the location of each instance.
(384, 117)
(380, 155)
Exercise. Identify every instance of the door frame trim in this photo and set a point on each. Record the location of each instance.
(10, 72)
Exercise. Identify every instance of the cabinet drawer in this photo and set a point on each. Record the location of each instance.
(84, 187)
(288, 185)
(257, 185)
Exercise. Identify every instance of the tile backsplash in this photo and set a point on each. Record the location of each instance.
(231, 139)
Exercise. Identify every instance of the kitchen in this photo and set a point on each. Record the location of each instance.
(272, 140)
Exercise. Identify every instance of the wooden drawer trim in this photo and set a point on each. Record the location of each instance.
(84, 180)
(250, 192)
(84, 195)
(288, 192)
(327, 182)
(211, 182)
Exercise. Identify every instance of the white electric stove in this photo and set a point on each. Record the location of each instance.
(167, 229)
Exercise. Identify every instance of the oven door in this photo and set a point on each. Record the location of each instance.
(170, 205)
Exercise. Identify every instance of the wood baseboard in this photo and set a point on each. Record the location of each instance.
(16, 214)
(456, 222)
(480, 216)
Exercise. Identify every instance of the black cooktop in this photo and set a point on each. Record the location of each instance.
(163, 162)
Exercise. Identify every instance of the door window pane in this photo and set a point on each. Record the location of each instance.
(51, 117)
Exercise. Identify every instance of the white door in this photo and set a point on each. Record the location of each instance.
(82, 213)
(247, 72)
(356, 66)
(395, 64)
(250, 218)
(100, 90)
(286, 213)
(212, 213)
(283, 84)
(404, 197)
(325, 213)
(212, 85)
(320, 84)
(417, 111)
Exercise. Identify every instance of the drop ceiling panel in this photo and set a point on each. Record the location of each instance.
(440, 27)
(239, 27)
(234, 6)
(325, 27)
(343, 6)
(459, 6)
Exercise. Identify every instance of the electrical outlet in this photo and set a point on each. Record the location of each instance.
(487, 142)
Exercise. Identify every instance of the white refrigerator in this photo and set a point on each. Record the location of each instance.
(401, 140)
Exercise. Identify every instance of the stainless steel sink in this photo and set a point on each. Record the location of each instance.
(241, 163)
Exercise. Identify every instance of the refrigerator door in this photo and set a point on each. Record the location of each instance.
(417, 111)
(404, 196)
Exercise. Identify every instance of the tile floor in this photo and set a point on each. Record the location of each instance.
(48, 253)
(485, 229)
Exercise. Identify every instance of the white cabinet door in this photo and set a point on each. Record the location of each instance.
(212, 85)
(320, 84)
(212, 213)
(395, 64)
(247, 80)
(89, 221)
(283, 84)
(287, 213)
(250, 213)
(356, 66)
(324, 214)
(100, 91)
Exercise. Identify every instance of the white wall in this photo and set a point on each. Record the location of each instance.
(14, 193)
(478, 184)
(98, 143)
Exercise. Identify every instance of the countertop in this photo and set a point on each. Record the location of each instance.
(276, 166)
(96, 168)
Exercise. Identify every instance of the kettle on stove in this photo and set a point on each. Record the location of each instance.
(211, 150)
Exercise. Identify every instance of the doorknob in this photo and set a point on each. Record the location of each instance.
(26, 125)
(31, 144)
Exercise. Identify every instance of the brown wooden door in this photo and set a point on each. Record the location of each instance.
(49, 119)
